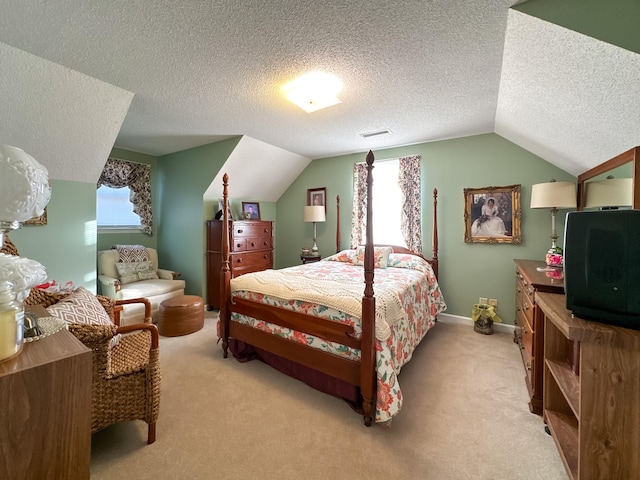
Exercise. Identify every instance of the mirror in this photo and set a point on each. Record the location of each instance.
(615, 175)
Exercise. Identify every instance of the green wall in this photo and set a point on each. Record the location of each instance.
(66, 245)
(183, 180)
(612, 21)
(467, 271)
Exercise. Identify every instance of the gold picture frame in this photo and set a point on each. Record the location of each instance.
(41, 220)
(492, 214)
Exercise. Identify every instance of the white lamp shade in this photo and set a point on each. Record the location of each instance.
(612, 192)
(553, 194)
(24, 186)
(314, 213)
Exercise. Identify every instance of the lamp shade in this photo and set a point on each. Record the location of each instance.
(612, 192)
(24, 186)
(553, 195)
(314, 213)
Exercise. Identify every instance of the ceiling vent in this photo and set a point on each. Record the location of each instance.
(376, 133)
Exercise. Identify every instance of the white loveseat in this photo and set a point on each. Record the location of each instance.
(155, 290)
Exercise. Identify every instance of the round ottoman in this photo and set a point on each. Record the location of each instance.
(180, 315)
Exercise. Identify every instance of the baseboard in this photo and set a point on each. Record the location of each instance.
(498, 327)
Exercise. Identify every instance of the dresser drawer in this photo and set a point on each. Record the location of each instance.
(245, 244)
(260, 260)
(249, 229)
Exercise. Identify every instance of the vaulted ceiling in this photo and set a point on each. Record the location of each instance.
(203, 71)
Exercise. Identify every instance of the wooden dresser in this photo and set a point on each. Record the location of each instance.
(251, 247)
(591, 393)
(529, 332)
(45, 393)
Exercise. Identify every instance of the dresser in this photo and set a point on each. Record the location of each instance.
(251, 250)
(591, 393)
(529, 332)
(45, 393)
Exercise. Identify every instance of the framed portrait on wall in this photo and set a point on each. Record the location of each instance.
(317, 196)
(492, 214)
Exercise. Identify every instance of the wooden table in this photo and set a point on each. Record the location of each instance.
(45, 414)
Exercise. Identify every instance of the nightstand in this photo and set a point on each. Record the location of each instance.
(309, 258)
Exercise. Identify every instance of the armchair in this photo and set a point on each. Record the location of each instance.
(125, 376)
(114, 285)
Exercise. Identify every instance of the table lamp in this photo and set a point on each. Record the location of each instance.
(554, 195)
(610, 193)
(24, 192)
(314, 213)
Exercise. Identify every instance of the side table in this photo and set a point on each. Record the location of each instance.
(310, 258)
(45, 393)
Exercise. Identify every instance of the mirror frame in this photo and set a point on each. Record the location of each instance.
(626, 157)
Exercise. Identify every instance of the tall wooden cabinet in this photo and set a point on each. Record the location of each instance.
(251, 250)
(591, 393)
(529, 332)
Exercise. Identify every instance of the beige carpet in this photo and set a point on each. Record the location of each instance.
(465, 416)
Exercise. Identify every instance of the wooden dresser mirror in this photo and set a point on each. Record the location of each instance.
(623, 166)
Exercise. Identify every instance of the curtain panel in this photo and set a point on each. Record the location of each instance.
(358, 215)
(410, 185)
(136, 176)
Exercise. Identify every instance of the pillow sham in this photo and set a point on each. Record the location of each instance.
(346, 256)
(380, 256)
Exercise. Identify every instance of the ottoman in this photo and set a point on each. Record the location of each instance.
(180, 315)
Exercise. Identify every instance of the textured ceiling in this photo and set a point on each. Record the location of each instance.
(425, 69)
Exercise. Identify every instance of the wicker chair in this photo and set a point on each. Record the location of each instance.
(126, 377)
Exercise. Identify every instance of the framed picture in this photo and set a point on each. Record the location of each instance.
(492, 215)
(317, 196)
(251, 210)
(41, 220)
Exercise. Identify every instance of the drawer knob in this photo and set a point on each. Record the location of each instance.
(238, 245)
(265, 256)
(240, 230)
(253, 244)
(238, 260)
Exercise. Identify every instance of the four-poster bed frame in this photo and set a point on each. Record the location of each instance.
(361, 374)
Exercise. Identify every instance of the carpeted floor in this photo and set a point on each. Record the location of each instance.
(465, 416)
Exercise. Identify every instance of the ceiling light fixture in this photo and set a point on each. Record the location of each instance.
(314, 91)
(373, 134)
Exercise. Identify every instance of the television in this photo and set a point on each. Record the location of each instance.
(602, 266)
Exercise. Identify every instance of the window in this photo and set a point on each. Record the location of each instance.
(115, 210)
(124, 196)
(387, 205)
(396, 203)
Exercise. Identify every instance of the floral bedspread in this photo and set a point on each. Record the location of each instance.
(419, 294)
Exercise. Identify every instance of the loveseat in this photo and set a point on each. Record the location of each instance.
(123, 280)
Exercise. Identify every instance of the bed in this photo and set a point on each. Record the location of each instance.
(322, 323)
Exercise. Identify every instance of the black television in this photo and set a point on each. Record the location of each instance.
(602, 266)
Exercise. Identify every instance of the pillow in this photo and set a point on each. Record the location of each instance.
(380, 256)
(83, 307)
(346, 256)
(133, 271)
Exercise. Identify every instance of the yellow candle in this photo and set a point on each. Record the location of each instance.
(9, 339)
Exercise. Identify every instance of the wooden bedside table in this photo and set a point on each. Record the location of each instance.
(309, 258)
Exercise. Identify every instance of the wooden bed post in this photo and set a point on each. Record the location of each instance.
(225, 273)
(434, 239)
(368, 352)
(338, 224)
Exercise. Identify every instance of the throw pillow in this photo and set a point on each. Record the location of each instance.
(83, 307)
(133, 271)
(380, 256)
